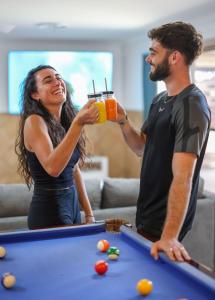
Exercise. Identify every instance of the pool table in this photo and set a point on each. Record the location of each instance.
(58, 264)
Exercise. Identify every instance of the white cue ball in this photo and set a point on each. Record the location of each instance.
(2, 252)
(8, 280)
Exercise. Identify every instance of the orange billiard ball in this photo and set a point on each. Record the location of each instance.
(101, 267)
(144, 286)
(103, 245)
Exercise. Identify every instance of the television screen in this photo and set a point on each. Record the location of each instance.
(77, 68)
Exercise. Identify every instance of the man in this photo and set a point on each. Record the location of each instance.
(172, 141)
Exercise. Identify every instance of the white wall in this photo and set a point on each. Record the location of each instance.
(128, 58)
(134, 49)
(132, 53)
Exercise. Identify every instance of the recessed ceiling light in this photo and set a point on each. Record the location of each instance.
(7, 28)
(50, 25)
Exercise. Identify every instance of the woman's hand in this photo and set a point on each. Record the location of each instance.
(88, 114)
(89, 219)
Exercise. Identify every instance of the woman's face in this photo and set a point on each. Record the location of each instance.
(51, 89)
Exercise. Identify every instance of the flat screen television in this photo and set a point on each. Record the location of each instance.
(78, 68)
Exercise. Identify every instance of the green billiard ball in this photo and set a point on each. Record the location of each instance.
(113, 253)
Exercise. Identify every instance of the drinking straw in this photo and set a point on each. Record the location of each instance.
(106, 84)
(94, 87)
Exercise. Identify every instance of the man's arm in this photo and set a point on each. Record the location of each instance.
(134, 139)
(183, 166)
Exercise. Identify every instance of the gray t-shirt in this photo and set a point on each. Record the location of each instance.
(175, 124)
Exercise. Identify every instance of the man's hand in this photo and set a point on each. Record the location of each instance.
(121, 113)
(172, 248)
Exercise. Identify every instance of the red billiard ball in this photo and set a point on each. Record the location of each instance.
(101, 267)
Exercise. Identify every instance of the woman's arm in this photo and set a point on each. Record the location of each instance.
(82, 193)
(37, 139)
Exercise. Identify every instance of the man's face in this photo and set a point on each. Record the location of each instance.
(159, 61)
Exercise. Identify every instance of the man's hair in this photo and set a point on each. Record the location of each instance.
(179, 36)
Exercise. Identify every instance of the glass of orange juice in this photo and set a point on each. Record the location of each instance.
(101, 106)
(110, 105)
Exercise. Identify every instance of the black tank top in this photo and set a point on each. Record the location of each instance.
(43, 180)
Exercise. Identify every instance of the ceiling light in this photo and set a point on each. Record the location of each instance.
(7, 28)
(50, 25)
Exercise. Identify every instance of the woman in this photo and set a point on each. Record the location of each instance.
(49, 146)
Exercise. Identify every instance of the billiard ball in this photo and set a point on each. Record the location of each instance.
(2, 252)
(8, 280)
(103, 245)
(144, 287)
(101, 267)
(113, 253)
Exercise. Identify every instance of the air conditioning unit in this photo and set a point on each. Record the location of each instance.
(95, 167)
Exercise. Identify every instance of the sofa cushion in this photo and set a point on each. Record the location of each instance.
(200, 240)
(13, 223)
(120, 192)
(94, 192)
(200, 194)
(14, 200)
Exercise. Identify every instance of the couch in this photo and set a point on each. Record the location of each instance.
(116, 198)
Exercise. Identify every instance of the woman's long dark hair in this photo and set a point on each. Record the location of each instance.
(56, 130)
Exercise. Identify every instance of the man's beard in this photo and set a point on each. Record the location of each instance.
(161, 72)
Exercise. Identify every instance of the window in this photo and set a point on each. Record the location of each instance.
(161, 87)
(149, 87)
(204, 76)
(77, 68)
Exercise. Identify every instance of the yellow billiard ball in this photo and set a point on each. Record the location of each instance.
(144, 286)
(2, 252)
(8, 280)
